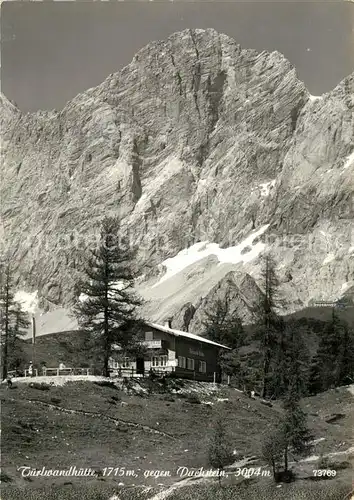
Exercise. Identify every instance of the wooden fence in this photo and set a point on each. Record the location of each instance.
(50, 372)
(65, 371)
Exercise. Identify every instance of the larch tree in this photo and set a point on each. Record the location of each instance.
(269, 326)
(223, 325)
(291, 435)
(13, 321)
(219, 452)
(107, 303)
(291, 361)
(272, 450)
(297, 436)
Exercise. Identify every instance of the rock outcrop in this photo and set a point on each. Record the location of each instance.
(196, 140)
(242, 292)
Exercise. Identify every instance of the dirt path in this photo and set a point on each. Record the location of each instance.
(101, 416)
(313, 458)
(162, 495)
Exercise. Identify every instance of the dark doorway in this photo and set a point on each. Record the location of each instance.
(140, 366)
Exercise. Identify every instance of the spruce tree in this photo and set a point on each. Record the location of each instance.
(346, 357)
(13, 321)
(315, 383)
(108, 306)
(332, 358)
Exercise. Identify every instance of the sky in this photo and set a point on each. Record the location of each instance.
(51, 51)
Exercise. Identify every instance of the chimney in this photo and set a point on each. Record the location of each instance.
(168, 323)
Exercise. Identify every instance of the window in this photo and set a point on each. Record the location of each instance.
(149, 336)
(125, 362)
(202, 366)
(181, 361)
(113, 364)
(190, 364)
(159, 361)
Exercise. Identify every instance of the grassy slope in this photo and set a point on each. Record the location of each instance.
(91, 441)
(266, 490)
(69, 347)
(37, 436)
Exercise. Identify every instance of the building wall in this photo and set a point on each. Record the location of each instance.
(199, 352)
(168, 349)
(189, 348)
(174, 347)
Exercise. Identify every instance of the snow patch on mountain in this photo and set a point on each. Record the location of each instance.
(231, 255)
(266, 187)
(349, 161)
(329, 258)
(315, 97)
(27, 301)
(346, 285)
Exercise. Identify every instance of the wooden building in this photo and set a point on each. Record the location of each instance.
(168, 350)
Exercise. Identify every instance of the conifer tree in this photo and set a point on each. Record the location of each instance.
(315, 383)
(332, 359)
(219, 453)
(13, 321)
(297, 436)
(108, 306)
(272, 450)
(290, 435)
(346, 357)
(292, 361)
(223, 326)
(297, 359)
(268, 323)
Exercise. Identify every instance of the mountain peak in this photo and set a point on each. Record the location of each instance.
(196, 140)
(8, 110)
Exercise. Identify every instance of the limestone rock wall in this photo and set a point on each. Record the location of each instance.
(197, 139)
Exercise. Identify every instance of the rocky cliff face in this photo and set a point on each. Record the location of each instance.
(196, 140)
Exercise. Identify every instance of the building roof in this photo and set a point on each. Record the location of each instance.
(187, 335)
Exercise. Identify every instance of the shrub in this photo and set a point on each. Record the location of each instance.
(42, 386)
(323, 462)
(341, 465)
(168, 397)
(284, 476)
(5, 478)
(326, 463)
(105, 383)
(193, 399)
(55, 401)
